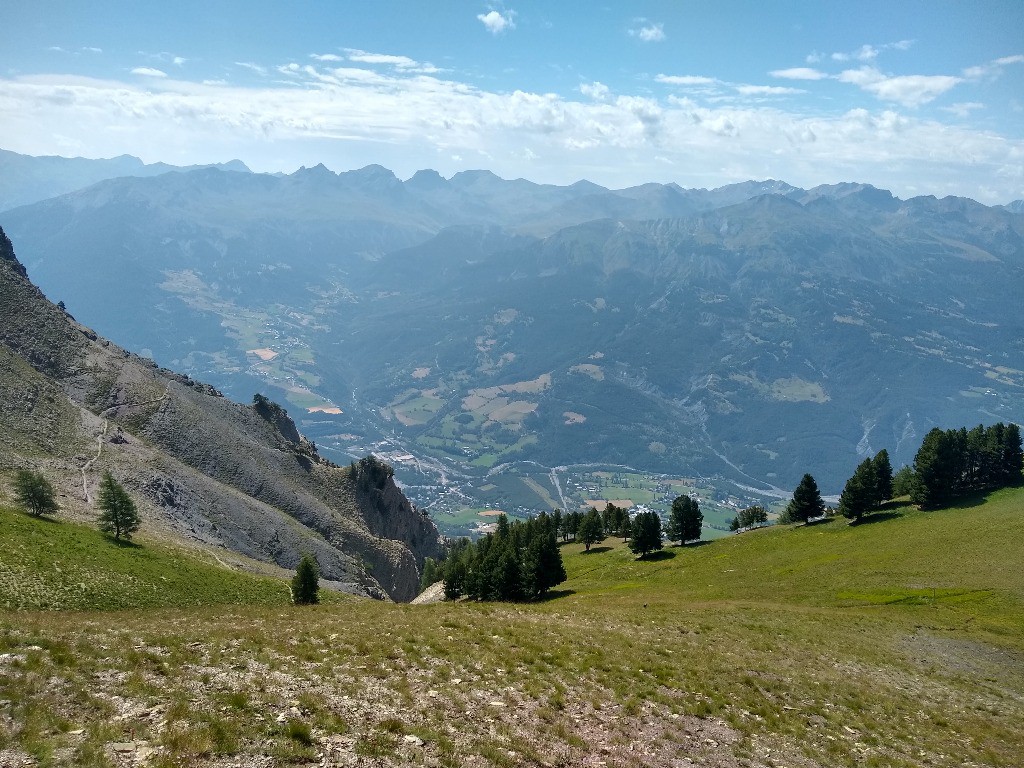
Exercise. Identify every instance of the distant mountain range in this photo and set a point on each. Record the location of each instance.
(477, 326)
(25, 179)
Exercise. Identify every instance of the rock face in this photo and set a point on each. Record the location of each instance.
(202, 467)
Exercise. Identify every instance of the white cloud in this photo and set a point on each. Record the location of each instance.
(909, 90)
(178, 61)
(251, 66)
(963, 108)
(349, 116)
(648, 32)
(865, 53)
(767, 90)
(497, 22)
(402, 62)
(814, 57)
(799, 73)
(685, 80)
(597, 91)
(993, 68)
(149, 72)
(91, 49)
(326, 57)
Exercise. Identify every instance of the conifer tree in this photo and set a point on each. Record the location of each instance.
(306, 582)
(684, 520)
(859, 494)
(883, 477)
(34, 492)
(646, 534)
(807, 502)
(591, 530)
(118, 514)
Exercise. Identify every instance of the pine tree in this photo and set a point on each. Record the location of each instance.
(685, 520)
(646, 534)
(859, 494)
(34, 492)
(591, 530)
(748, 517)
(431, 573)
(883, 477)
(934, 469)
(306, 582)
(118, 514)
(674, 525)
(1012, 462)
(903, 482)
(806, 501)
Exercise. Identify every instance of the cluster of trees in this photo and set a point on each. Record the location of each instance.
(870, 485)
(953, 462)
(749, 517)
(591, 527)
(118, 514)
(519, 561)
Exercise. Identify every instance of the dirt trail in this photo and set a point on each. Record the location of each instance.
(99, 439)
(90, 462)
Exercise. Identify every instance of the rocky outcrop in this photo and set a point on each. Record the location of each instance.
(205, 468)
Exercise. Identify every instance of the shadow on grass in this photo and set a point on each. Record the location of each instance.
(44, 518)
(877, 517)
(661, 554)
(555, 594)
(819, 521)
(123, 543)
(595, 550)
(695, 544)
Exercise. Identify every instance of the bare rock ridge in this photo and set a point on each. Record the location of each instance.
(203, 468)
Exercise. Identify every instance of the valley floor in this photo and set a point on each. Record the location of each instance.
(892, 643)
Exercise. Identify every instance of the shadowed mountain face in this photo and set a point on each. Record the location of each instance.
(474, 325)
(202, 467)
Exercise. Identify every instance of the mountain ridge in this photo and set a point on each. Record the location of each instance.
(202, 467)
(514, 325)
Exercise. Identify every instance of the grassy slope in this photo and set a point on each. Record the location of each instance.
(60, 565)
(819, 646)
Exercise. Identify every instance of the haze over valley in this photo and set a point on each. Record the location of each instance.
(515, 346)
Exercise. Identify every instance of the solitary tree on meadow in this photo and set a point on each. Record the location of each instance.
(118, 514)
(34, 492)
(306, 582)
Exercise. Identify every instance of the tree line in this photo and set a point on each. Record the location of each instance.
(518, 561)
(954, 462)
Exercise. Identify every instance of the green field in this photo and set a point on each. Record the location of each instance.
(896, 642)
(59, 565)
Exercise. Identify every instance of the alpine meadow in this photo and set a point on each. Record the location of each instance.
(512, 384)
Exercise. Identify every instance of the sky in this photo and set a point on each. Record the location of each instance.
(915, 97)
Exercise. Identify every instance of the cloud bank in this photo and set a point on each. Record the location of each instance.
(361, 107)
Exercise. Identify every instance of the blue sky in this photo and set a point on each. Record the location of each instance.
(917, 97)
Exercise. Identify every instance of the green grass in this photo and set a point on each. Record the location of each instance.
(894, 643)
(54, 564)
